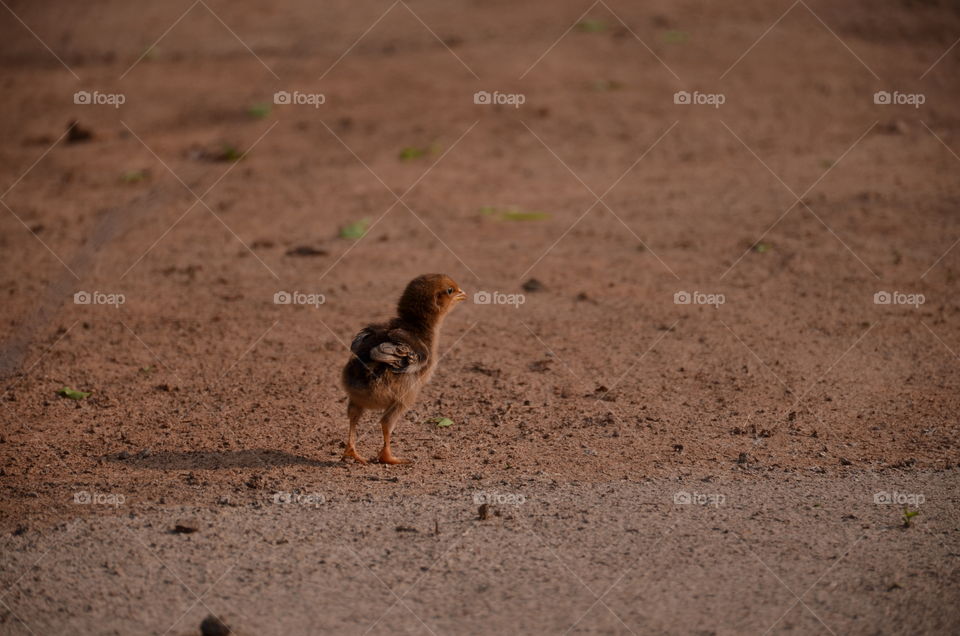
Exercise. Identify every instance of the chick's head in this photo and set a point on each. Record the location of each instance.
(430, 296)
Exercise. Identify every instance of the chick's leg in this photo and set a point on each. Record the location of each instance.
(387, 422)
(354, 412)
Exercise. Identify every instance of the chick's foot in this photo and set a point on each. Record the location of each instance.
(351, 453)
(386, 457)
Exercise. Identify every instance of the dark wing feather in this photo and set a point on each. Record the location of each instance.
(396, 349)
(359, 339)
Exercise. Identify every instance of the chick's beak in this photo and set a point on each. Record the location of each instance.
(461, 295)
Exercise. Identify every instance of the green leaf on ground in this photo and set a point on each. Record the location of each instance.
(410, 153)
(354, 230)
(675, 37)
(259, 111)
(513, 213)
(73, 394)
(231, 153)
(519, 215)
(134, 176)
(442, 422)
(592, 25)
(604, 85)
(908, 516)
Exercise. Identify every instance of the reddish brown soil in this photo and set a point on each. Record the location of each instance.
(204, 391)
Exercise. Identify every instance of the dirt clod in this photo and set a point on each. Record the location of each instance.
(306, 250)
(184, 529)
(77, 134)
(213, 626)
(533, 285)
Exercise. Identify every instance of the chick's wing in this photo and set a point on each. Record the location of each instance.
(399, 350)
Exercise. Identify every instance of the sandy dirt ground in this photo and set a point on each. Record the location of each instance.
(707, 375)
(770, 555)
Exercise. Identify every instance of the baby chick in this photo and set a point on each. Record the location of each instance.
(392, 361)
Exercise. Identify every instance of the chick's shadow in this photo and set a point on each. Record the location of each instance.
(215, 460)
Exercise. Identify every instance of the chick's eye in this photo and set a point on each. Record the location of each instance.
(449, 291)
